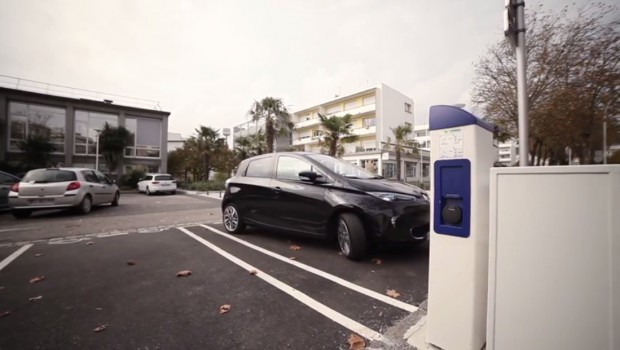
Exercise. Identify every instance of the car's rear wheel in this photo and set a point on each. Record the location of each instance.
(117, 197)
(233, 223)
(351, 236)
(85, 205)
(173, 192)
(21, 213)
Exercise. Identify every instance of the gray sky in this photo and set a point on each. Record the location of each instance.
(207, 61)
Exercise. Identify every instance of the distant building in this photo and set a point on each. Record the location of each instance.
(508, 153)
(175, 141)
(281, 143)
(73, 124)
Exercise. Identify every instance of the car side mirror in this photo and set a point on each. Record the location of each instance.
(309, 176)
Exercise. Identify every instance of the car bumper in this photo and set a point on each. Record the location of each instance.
(157, 189)
(38, 203)
(402, 222)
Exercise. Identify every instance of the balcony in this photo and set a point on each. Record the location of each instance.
(307, 123)
(356, 111)
(306, 140)
(371, 130)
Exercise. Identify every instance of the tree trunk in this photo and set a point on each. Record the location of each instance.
(398, 163)
(269, 134)
(207, 165)
(333, 146)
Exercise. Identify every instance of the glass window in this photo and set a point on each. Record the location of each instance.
(49, 175)
(6, 179)
(149, 177)
(146, 140)
(351, 105)
(164, 177)
(102, 178)
(407, 107)
(29, 119)
(259, 168)
(369, 100)
(341, 167)
(90, 176)
(289, 168)
(368, 122)
(333, 109)
(87, 127)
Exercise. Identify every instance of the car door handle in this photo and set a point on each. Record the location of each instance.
(277, 189)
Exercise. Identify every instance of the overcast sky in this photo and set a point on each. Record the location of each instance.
(207, 61)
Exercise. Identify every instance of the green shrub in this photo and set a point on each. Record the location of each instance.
(131, 179)
(211, 185)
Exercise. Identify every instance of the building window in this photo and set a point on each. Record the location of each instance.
(368, 122)
(29, 119)
(351, 105)
(369, 100)
(425, 168)
(407, 107)
(389, 170)
(317, 133)
(146, 141)
(333, 109)
(87, 127)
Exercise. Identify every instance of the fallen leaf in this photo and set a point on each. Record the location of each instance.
(392, 293)
(37, 279)
(295, 247)
(38, 255)
(356, 342)
(36, 298)
(101, 328)
(253, 272)
(377, 261)
(98, 309)
(184, 273)
(89, 243)
(5, 313)
(292, 258)
(224, 309)
(380, 313)
(131, 262)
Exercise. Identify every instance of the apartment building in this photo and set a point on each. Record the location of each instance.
(281, 143)
(375, 111)
(73, 123)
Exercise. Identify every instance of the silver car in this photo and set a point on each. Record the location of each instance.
(60, 188)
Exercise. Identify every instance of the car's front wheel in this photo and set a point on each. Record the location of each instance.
(233, 223)
(85, 205)
(116, 199)
(351, 236)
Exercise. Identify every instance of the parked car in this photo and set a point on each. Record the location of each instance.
(157, 183)
(6, 181)
(319, 195)
(59, 188)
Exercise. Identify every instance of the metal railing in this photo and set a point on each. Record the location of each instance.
(66, 91)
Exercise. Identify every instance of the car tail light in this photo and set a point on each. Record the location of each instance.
(15, 187)
(155, 182)
(73, 186)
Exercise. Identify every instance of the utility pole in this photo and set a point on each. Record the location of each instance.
(514, 30)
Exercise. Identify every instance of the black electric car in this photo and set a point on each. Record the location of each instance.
(319, 195)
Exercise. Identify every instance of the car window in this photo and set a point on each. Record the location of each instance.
(164, 178)
(90, 176)
(343, 168)
(148, 178)
(259, 168)
(102, 178)
(6, 179)
(49, 176)
(289, 168)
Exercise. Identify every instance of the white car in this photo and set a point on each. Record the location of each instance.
(157, 183)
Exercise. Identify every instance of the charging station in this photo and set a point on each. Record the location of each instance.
(462, 154)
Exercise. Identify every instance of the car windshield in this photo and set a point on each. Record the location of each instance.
(343, 168)
(164, 177)
(49, 175)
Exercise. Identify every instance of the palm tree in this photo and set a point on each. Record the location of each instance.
(402, 141)
(209, 143)
(251, 145)
(276, 116)
(337, 131)
(112, 143)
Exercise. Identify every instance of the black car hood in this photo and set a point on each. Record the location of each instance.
(383, 185)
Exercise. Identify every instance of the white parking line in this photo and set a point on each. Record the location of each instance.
(18, 228)
(14, 256)
(336, 279)
(326, 311)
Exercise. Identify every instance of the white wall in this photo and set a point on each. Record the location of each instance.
(391, 111)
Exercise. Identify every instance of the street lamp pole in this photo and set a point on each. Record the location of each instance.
(97, 151)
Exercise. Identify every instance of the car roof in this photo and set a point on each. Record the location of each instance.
(64, 168)
(155, 174)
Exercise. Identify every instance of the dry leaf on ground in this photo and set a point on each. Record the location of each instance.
(224, 308)
(184, 273)
(253, 272)
(295, 247)
(5, 313)
(377, 261)
(38, 255)
(356, 342)
(392, 293)
(37, 279)
(36, 298)
(101, 328)
(89, 243)
(131, 262)
(292, 258)
(1, 288)
(98, 309)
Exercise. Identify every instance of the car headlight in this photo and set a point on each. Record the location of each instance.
(392, 197)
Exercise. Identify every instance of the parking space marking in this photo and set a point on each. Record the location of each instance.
(14, 256)
(326, 311)
(18, 228)
(370, 293)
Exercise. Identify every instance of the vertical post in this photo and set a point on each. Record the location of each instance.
(522, 84)
(97, 152)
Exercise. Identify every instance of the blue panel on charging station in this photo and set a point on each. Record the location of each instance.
(452, 197)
